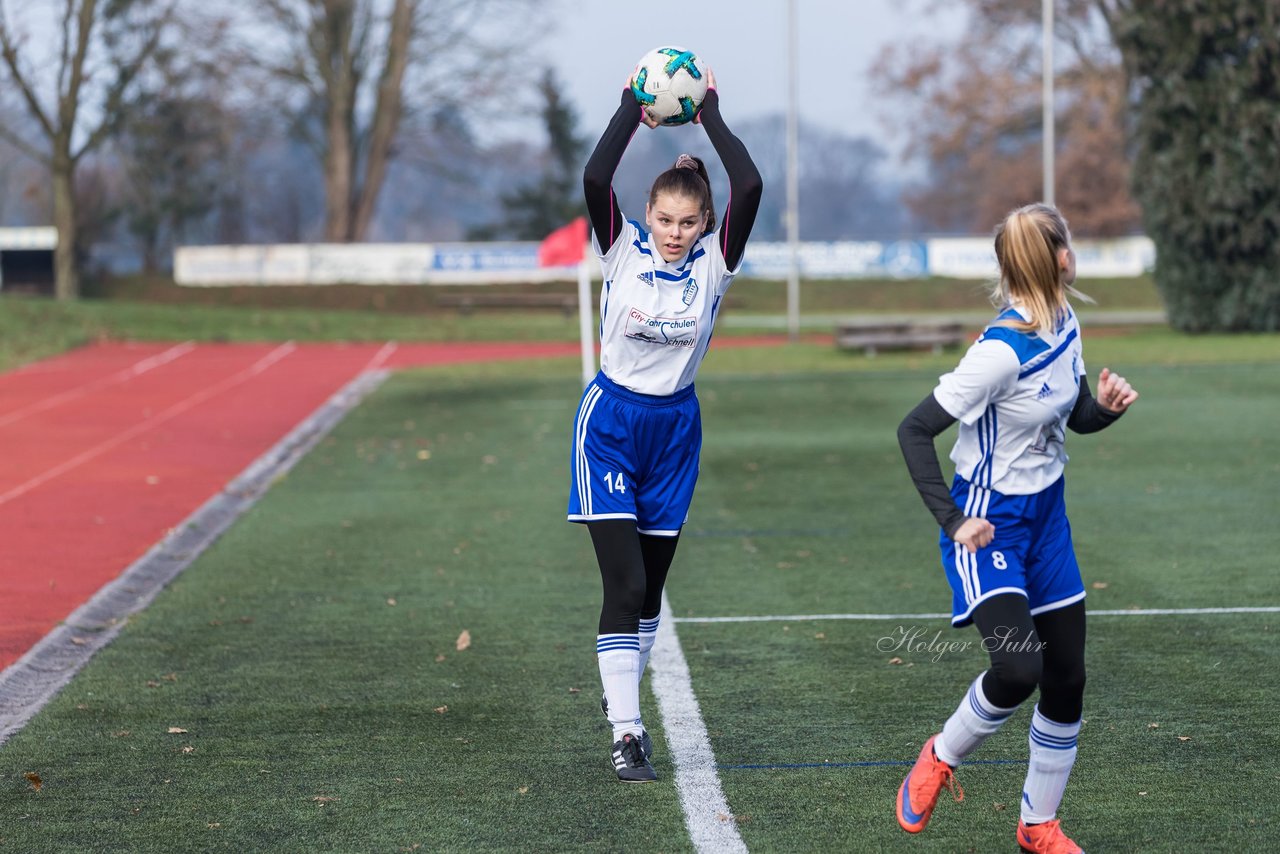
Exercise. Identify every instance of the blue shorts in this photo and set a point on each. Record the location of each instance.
(634, 456)
(1031, 553)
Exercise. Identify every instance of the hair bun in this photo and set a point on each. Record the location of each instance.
(686, 161)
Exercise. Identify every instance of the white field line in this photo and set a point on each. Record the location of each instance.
(706, 813)
(1125, 612)
(33, 680)
(120, 376)
(143, 426)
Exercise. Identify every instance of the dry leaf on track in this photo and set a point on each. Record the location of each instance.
(34, 779)
(464, 640)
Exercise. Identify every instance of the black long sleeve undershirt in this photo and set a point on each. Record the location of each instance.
(597, 178)
(745, 184)
(929, 420)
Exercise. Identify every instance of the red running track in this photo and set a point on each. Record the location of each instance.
(108, 447)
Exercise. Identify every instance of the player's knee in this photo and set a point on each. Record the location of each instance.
(1016, 677)
(1066, 681)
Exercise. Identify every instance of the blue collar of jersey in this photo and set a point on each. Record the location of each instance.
(676, 271)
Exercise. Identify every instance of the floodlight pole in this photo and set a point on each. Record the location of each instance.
(793, 179)
(1046, 80)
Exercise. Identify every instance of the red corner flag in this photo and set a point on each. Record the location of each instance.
(564, 246)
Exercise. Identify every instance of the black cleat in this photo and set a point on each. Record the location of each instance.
(646, 743)
(630, 763)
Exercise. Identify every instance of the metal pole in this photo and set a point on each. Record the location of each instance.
(793, 178)
(586, 315)
(1046, 81)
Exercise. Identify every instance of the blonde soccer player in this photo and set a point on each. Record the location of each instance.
(1005, 541)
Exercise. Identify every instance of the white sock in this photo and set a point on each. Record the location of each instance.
(1053, 752)
(973, 721)
(648, 632)
(619, 658)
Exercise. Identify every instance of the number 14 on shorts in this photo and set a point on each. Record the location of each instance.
(615, 482)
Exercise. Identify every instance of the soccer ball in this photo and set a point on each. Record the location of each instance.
(669, 84)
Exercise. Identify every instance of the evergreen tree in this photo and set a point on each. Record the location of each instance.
(535, 209)
(1204, 73)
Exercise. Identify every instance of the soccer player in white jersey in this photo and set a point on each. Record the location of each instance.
(1006, 543)
(638, 432)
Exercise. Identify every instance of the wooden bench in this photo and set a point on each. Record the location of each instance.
(466, 303)
(872, 336)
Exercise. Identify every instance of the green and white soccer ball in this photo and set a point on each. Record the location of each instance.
(669, 84)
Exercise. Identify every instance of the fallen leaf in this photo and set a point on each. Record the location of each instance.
(1141, 793)
(79, 641)
(214, 825)
(324, 799)
(439, 658)
(440, 710)
(124, 733)
(999, 806)
(1184, 738)
(524, 790)
(424, 454)
(575, 690)
(34, 779)
(464, 640)
(151, 683)
(171, 677)
(391, 601)
(820, 636)
(176, 730)
(895, 660)
(1099, 585)
(186, 748)
(1153, 726)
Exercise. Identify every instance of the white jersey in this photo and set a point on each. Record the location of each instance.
(656, 317)
(1012, 394)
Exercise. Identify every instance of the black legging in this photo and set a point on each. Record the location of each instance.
(633, 568)
(1046, 651)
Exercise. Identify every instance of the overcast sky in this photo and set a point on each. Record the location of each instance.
(745, 42)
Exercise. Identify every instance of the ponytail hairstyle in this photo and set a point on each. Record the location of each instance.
(687, 178)
(1028, 242)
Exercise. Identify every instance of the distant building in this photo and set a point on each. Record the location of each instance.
(26, 260)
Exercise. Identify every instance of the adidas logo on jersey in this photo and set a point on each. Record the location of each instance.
(1045, 391)
(647, 278)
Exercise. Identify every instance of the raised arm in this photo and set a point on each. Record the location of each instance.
(745, 185)
(597, 178)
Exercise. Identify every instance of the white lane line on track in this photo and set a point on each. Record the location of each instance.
(120, 376)
(706, 812)
(172, 412)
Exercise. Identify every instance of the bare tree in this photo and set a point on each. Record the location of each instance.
(101, 46)
(974, 117)
(176, 137)
(355, 70)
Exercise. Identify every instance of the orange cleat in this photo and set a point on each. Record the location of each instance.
(919, 792)
(1046, 838)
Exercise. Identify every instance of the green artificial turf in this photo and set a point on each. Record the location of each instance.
(312, 655)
